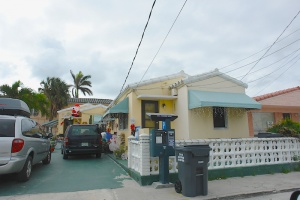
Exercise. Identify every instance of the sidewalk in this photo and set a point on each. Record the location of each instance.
(231, 188)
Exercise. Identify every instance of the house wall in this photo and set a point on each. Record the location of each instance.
(200, 120)
(135, 104)
(181, 124)
(217, 84)
(201, 123)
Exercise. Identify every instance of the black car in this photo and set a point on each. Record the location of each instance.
(82, 139)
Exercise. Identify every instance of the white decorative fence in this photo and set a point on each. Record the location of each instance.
(225, 153)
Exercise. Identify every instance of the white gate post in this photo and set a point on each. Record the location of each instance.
(144, 140)
(130, 151)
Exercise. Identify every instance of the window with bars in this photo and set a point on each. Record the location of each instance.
(123, 121)
(219, 117)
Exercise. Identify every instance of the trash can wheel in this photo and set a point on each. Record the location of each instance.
(178, 186)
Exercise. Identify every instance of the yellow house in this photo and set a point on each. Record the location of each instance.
(210, 105)
(55, 126)
(89, 114)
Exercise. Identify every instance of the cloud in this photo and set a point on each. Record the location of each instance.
(40, 39)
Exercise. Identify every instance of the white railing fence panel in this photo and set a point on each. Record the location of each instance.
(225, 153)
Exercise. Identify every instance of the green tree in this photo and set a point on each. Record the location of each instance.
(35, 101)
(57, 93)
(81, 83)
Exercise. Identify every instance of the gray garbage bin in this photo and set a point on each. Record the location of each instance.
(192, 170)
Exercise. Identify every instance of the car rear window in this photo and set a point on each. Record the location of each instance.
(7, 128)
(83, 130)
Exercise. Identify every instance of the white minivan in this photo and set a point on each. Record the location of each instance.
(23, 143)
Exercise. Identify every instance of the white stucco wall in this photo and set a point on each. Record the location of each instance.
(198, 123)
(201, 123)
(217, 84)
(181, 124)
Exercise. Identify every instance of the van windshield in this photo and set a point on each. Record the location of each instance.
(7, 128)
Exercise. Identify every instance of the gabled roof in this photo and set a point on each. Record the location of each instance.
(208, 75)
(89, 100)
(181, 74)
(159, 79)
(277, 93)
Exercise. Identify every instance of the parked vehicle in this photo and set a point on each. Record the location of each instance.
(22, 141)
(82, 139)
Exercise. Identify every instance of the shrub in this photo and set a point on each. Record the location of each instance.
(286, 127)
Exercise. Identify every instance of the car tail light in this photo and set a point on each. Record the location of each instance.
(17, 145)
(66, 141)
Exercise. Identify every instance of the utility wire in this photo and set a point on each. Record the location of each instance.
(276, 69)
(214, 83)
(271, 45)
(163, 41)
(278, 76)
(138, 47)
(258, 51)
(263, 57)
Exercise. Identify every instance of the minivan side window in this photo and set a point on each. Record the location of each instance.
(32, 129)
(7, 128)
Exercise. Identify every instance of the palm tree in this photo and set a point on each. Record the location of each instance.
(80, 83)
(34, 100)
(57, 92)
(14, 91)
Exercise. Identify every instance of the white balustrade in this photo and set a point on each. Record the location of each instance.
(225, 153)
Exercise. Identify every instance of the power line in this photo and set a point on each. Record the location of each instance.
(259, 51)
(138, 46)
(276, 69)
(262, 57)
(271, 45)
(214, 83)
(163, 41)
(278, 76)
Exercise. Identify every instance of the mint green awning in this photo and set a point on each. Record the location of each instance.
(121, 107)
(220, 99)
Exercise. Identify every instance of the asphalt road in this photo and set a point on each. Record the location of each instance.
(75, 174)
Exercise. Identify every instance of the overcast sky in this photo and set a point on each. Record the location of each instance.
(48, 38)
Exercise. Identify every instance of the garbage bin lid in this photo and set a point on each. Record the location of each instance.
(196, 150)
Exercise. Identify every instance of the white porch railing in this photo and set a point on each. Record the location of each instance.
(225, 153)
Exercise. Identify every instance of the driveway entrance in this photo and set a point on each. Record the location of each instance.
(75, 174)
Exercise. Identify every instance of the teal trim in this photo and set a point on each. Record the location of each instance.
(198, 99)
(121, 107)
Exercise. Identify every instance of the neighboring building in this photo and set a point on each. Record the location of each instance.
(89, 114)
(210, 105)
(57, 126)
(275, 107)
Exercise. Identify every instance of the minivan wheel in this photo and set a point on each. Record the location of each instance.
(47, 160)
(65, 156)
(25, 173)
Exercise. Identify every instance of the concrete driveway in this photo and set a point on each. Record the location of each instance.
(75, 174)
